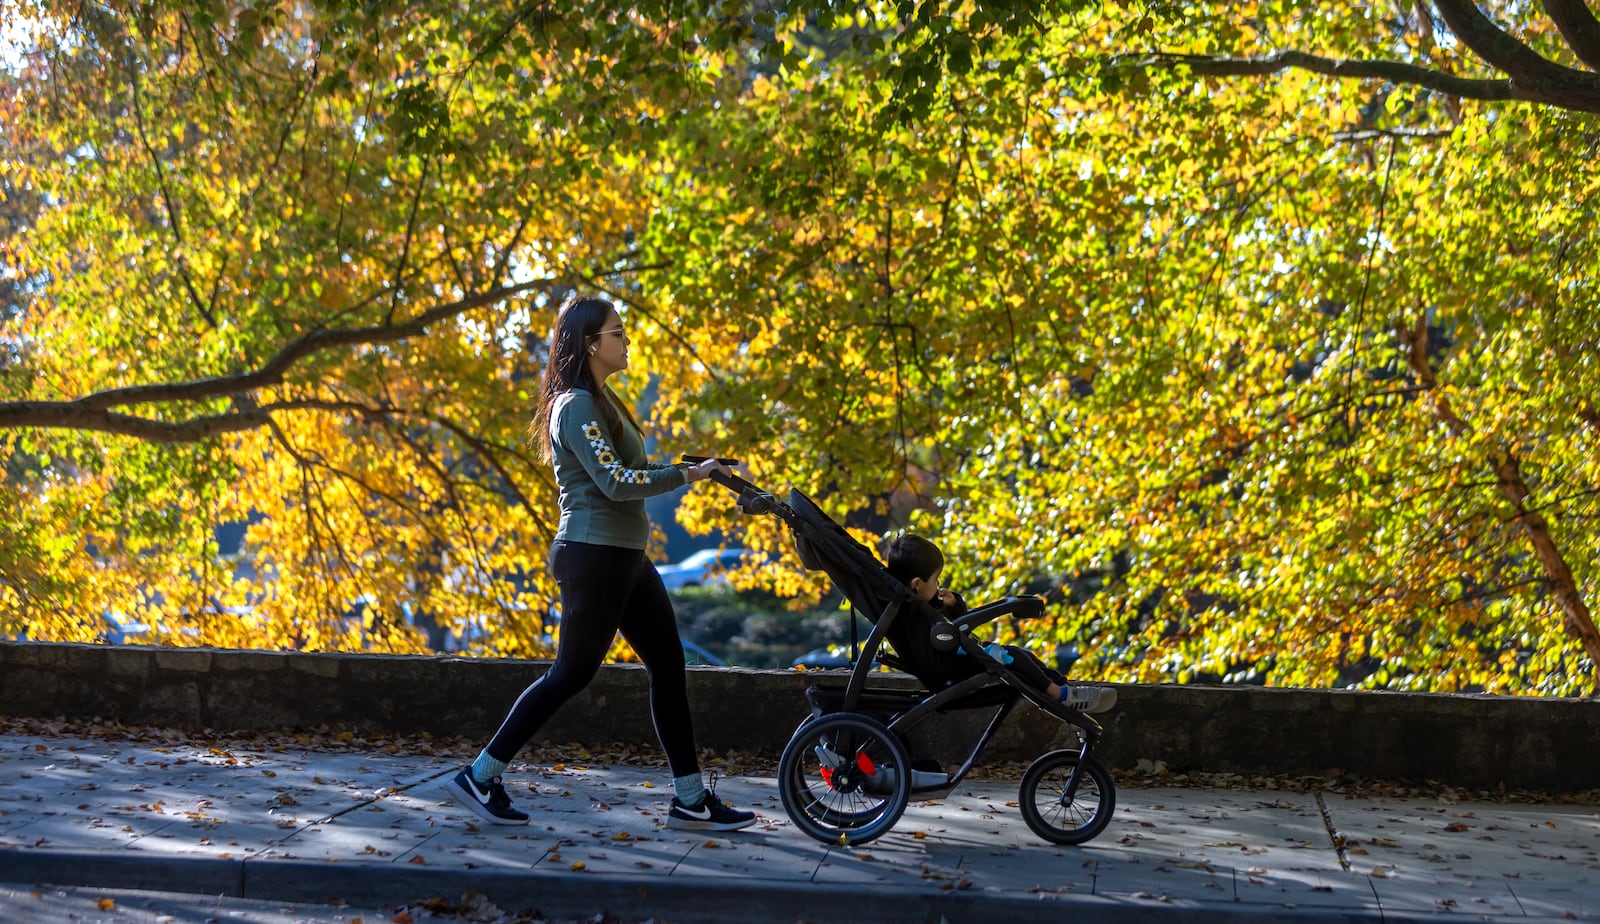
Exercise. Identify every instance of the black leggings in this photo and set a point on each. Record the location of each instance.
(603, 590)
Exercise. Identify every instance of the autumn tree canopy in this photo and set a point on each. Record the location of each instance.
(1264, 333)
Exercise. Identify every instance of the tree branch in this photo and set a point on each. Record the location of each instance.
(1579, 27)
(92, 412)
(1589, 415)
(1494, 45)
(174, 217)
(1533, 77)
(1530, 77)
(1392, 71)
(405, 247)
(1507, 469)
(62, 416)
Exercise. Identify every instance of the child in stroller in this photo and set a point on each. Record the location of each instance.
(834, 776)
(918, 564)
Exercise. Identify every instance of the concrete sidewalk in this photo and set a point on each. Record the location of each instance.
(290, 823)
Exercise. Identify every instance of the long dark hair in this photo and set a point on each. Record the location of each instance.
(578, 324)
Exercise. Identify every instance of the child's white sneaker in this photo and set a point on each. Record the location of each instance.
(1088, 699)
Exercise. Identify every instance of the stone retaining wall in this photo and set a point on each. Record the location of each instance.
(1482, 742)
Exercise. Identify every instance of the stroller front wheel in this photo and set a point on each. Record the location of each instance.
(844, 778)
(1067, 797)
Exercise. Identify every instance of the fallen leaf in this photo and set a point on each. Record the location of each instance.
(578, 865)
(418, 860)
(106, 904)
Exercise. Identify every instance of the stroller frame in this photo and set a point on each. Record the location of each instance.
(856, 733)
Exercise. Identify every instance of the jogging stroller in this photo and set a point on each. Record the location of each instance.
(849, 771)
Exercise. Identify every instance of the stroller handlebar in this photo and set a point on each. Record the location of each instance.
(752, 500)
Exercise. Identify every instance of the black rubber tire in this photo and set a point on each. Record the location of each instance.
(1067, 821)
(836, 808)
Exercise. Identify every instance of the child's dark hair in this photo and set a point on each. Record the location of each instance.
(913, 557)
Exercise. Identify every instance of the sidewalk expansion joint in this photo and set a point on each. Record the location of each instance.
(1334, 836)
(384, 794)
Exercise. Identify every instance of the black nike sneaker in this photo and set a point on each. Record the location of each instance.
(712, 814)
(488, 802)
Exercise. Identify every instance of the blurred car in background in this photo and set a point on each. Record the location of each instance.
(705, 568)
(694, 653)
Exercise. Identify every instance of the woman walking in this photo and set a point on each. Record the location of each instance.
(598, 559)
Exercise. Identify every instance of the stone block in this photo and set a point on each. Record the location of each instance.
(190, 660)
(254, 662)
(171, 704)
(317, 665)
(131, 662)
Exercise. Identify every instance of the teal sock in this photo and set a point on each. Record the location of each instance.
(486, 768)
(691, 788)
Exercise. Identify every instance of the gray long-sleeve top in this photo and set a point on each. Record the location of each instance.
(603, 486)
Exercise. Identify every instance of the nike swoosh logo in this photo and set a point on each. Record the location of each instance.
(703, 812)
(477, 793)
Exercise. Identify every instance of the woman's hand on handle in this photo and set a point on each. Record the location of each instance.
(702, 470)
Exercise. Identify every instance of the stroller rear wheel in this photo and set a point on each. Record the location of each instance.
(1067, 797)
(833, 780)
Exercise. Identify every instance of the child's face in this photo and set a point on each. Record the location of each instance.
(927, 588)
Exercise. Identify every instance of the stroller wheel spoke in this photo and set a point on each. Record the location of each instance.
(833, 782)
(1067, 798)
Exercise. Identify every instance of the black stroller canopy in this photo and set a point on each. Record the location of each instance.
(825, 546)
